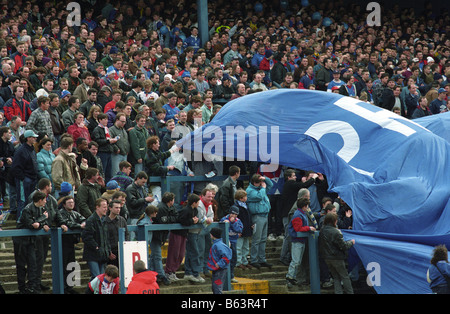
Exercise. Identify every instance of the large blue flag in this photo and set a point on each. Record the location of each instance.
(439, 124)
(393, 172)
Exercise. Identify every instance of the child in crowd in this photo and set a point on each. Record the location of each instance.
(106, 283)
(219, 260)
(147, 217)
(235, 233)
(243, 242)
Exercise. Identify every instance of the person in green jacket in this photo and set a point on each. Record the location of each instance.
(138, 145)
(90, 190)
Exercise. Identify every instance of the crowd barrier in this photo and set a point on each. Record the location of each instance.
(142, 234)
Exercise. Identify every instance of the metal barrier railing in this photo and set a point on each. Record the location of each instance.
(143, 235)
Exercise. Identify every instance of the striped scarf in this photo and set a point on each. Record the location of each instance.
(108, 136)
(311, 217)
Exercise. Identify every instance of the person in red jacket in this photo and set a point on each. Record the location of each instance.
(78, 129)
(17, 106)
(144, 281)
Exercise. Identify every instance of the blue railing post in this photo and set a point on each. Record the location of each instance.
(314, 271)
(57, 261)
(142, 235)
(121, 261)
(313, 253)
(225, 227)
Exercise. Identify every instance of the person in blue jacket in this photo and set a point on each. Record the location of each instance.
(193, 40)
(236, 227)
(438, 274)
(219, 260)
(259, 206)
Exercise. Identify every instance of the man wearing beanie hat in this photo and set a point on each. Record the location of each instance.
(218, 261)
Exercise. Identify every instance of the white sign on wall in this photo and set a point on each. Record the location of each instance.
(132, 252)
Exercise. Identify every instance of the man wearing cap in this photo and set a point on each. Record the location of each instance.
(63, 101)
(24, 170)
(336, 83)
(106, 80)
(439, 104)
(108, 60)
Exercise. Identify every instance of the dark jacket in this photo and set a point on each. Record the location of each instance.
(95, 238)
(322, 77)
(225, 197)
(87, 194)
(290, 192)
(278, 73)
(185, 217)
(30, 215)
(54, 218)
(6, 150)
(411, 102)
(155, 163)
(113, 231)
(138, 146)
(332, 245)
(166, 215)
(56, 121)
(73, 220)
(246, 219)
(135, 200)
(99, 135)
(25, 163)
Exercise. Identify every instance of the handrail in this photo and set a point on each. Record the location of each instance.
(165, 181)
(143, 235)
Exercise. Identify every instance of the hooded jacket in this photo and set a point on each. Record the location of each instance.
(144, 283)
(257, 200)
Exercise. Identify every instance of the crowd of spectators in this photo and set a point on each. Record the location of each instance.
(95, 108)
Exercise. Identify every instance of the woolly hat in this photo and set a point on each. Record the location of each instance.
(234, 210)
(216, 233)
(112, 185)
(66, 187)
